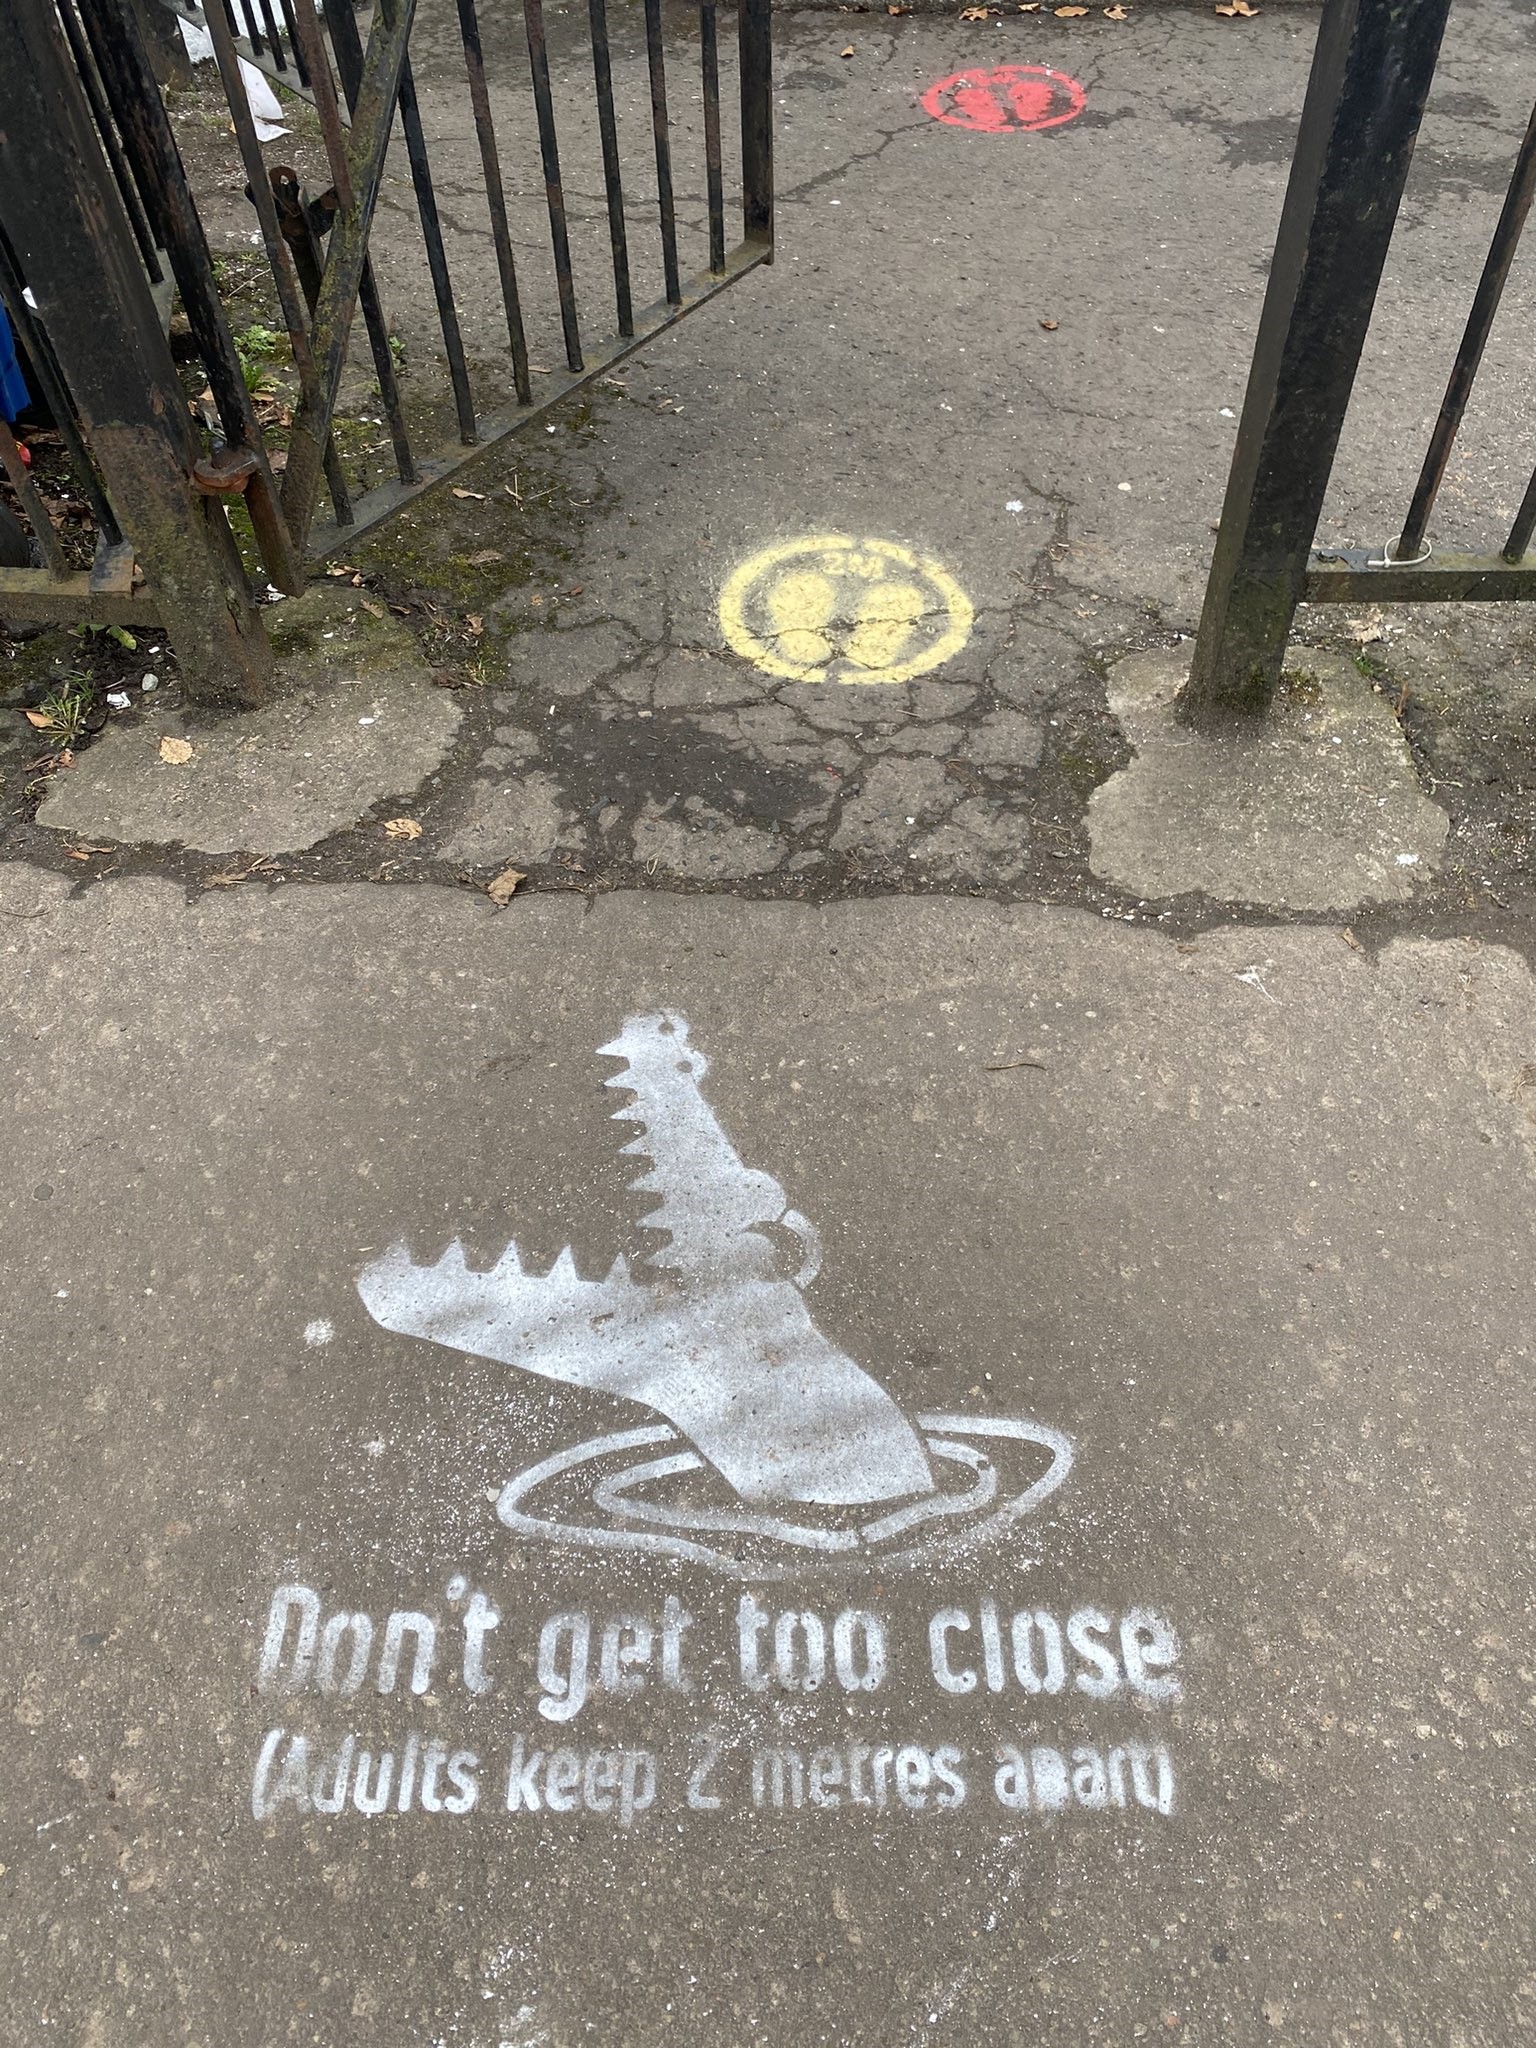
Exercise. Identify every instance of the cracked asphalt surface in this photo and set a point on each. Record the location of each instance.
(1235, 1211)
(1020, 355)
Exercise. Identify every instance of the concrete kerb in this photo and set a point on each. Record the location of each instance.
(1317, 807)
(354, 718)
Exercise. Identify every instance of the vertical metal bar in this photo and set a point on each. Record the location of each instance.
(247, 17)
(273, 37)
(323, 87)
(44, 366)
(347, 44)
(293, 42)
(618, 240)
(63, 217)
(95, 92)
(1370, 78)
(299, 239)
(376, 322)
(437, 254)
(754, 34)
(162, 38)
(226, 57)
(1525, 524)
(130, 82)
(656, 62)
(549, 151)
(31, 500)
(709, 57)
(495, 196)
(373, 112)
(1490, 289)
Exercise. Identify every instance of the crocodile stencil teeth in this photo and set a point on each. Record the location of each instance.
(777, 1445)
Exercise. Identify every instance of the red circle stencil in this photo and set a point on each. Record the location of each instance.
(1012, 97)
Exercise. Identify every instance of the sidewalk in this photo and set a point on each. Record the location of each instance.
(1040, 1549)
(893, 377)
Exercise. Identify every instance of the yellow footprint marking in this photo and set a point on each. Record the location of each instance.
(885, 621)
(831, 607)
(799, 605)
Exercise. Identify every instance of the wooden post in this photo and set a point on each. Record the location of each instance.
(63, 217)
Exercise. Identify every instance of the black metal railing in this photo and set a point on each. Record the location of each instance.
(1370, 80)
(113, 167)
(316, 47)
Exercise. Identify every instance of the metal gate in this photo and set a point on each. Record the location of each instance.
(1370, 80)
(102, 230)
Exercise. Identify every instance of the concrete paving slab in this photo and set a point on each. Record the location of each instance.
(1315, 807)
(1115, 1624)
(353, 717)
(519, 819)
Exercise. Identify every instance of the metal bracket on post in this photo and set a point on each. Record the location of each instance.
(1370, 79)
(64, 219)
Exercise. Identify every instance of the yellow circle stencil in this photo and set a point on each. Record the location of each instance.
(828, 608)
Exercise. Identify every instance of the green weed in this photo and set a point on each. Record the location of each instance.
(259, 349)
(67, 708)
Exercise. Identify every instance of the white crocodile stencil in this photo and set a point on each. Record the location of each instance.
(765, 1414)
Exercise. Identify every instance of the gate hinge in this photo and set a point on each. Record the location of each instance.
(224, 474)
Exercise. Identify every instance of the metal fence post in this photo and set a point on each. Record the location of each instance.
(1370, 78)
(755, 34)
(161, 31)
(64, 219)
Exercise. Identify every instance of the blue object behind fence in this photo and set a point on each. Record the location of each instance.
(14, 396)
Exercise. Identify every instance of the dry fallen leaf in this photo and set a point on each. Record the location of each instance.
(459, 493)
(1365, 631)
(261, 865)
(1238, 8)
(40, 719)
(898, 10)
(474, 625)
(1117, 14)
(402, 828)
(848, 52)
(973, 13)
(1351, 941)
(177, 752)
(1050, 326)
(484, 555)
(504, 887)
(1029, 6)
(375, 610)
(1068, 13)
